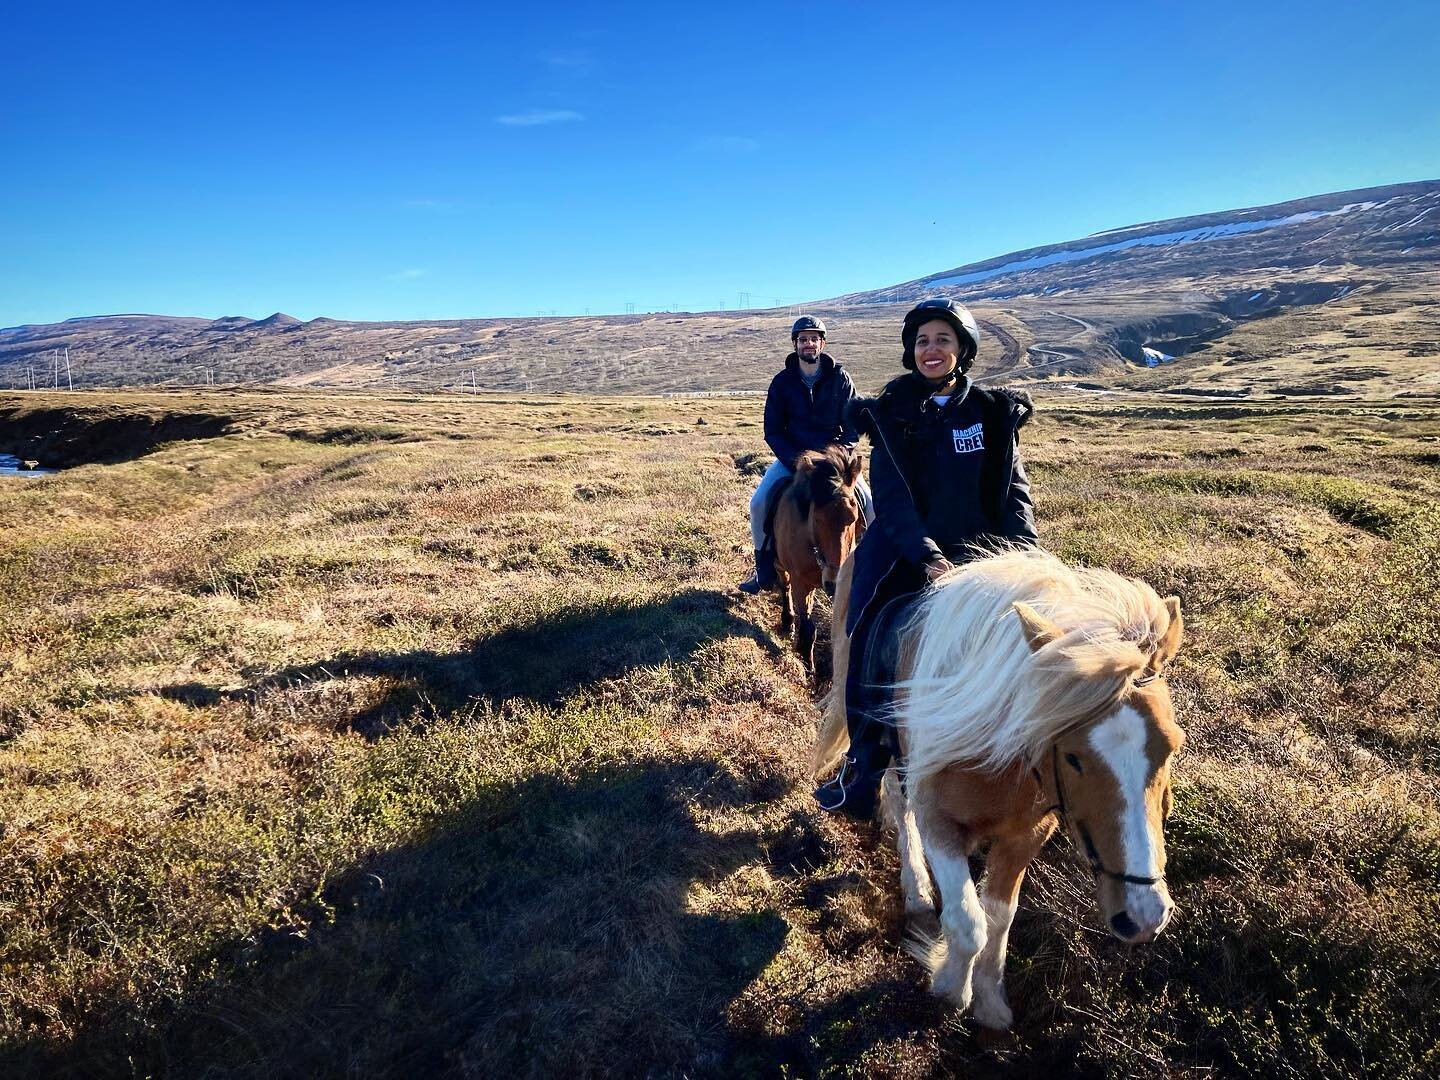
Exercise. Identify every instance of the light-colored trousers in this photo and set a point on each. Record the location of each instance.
(778, 473)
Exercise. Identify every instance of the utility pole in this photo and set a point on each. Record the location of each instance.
(69, 378)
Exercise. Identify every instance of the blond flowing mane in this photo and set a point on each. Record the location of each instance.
(978, 694)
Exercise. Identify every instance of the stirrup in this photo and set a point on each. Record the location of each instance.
(847, 793)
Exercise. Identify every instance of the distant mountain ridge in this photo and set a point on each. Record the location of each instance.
(1379, 226)
(1328, 294)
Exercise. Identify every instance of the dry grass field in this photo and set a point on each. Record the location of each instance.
(418, 735)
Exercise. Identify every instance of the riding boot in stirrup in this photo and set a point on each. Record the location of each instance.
(764, 576)
(853, 790)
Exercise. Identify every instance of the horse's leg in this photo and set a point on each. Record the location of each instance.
(834, 736)
(914, 877)
(805, 637)
(787, 610)
(962, 920)
(1000, 893)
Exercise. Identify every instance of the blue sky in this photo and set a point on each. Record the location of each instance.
(445, 160)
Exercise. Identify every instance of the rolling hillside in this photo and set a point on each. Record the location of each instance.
(1334, 294)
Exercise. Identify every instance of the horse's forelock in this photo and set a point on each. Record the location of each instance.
(826, 485)
(827, 476)
(976, 689)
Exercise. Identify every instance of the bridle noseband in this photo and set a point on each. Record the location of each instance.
(814, 547)
(1092, 854)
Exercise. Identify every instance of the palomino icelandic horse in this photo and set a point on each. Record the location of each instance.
(817, 524)
(1026, 691)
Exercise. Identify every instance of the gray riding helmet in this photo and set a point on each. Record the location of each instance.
(807, 322)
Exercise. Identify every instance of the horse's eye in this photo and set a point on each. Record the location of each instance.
(1074, 763)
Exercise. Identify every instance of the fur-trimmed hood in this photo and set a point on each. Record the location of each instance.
(860, 412)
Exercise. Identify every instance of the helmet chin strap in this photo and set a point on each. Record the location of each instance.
(943, 381)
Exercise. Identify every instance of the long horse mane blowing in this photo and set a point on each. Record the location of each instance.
(978, 693)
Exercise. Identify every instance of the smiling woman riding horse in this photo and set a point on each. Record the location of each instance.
(1025, 691)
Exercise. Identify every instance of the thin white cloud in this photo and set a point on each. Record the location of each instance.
(431, 204)
(726, 144)
(409, 274)
(537, 117)
(577, 60)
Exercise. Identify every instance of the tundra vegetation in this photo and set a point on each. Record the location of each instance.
(401, 735)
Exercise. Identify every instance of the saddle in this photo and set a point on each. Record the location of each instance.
(875, 673)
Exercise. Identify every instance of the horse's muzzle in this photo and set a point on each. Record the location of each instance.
(1145, 914)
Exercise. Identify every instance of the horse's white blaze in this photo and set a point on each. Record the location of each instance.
(1119, 741)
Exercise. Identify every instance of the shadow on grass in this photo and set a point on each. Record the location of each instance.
(543, 661)
(549, 929)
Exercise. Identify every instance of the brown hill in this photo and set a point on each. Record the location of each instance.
(1330, 294)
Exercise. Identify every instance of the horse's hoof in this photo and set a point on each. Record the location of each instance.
(1001, 1044)
(991, 1011)
(959, 997)
(952, 982)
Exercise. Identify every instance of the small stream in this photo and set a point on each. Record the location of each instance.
(10, 466)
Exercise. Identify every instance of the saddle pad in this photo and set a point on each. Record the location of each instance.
(882, 656)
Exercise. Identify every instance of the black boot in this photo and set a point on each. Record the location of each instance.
(853, 790)
(764, 578)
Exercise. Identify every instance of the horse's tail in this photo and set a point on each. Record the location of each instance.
(834, 737)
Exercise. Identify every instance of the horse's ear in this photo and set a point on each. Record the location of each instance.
(1170, 643)
(1039, 631)
(854, 466)
(805, 463)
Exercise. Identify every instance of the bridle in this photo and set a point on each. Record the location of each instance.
(1092, 854)
(815, 551)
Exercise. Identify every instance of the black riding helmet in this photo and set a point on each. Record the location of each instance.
(956, 315)
(806, 322)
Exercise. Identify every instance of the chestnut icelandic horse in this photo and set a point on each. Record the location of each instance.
(817, 524)
(1027, 691)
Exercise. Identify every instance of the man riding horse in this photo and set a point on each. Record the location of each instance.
(804, 410)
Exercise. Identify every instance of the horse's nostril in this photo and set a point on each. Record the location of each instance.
(1123, 925)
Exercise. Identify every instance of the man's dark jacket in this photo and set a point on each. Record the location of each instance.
(918, 516)
(800, 417)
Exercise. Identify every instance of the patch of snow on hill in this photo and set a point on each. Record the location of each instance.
(1186, 236)
(1154, 357)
